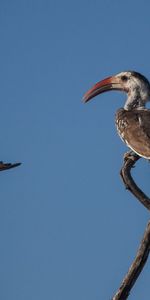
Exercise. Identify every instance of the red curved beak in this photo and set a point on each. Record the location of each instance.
(107, 84)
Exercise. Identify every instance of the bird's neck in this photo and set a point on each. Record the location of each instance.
(134, 102)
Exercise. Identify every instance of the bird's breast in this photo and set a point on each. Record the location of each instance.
(121, 123)
(134, 129)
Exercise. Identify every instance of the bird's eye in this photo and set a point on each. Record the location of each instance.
(124, 78)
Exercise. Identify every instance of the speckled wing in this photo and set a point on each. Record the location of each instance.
(134, 129)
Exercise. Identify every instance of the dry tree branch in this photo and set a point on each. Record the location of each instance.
(130, 159)
(136, 267)
(144, 249)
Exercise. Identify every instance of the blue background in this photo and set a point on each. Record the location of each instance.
(68, 228)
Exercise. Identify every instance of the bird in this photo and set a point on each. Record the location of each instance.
(133, 120)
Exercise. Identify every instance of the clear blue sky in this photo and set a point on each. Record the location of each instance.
(68, 228)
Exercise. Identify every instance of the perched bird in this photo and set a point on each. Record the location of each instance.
(132, 121)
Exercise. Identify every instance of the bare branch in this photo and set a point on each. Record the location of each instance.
(129, 161)
(143, 251)
(136, 267)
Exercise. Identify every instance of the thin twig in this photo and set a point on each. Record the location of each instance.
(136, 267)
(129, 160)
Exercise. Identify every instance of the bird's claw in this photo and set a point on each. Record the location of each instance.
(129, 155)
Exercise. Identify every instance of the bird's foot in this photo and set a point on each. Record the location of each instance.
(130, 155)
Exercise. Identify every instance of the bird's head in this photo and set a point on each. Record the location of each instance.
(134, 84)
